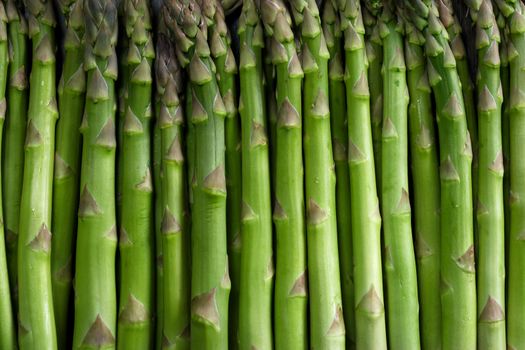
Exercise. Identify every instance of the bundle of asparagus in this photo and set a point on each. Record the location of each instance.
(339, 174)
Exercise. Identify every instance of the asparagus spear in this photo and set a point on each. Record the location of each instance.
(136, 226)
(458, 288)
(505, 85)
(327, 328)
(36, 316)
(290, 305)
(453, 27)
(224, 59)
(122, 104)
(374, 54)
(159, 264)
(71, 97)
(365, 218)
(257, 268)
(270, 101)
(210, 284)
(515, 15)
(490, 218)
(95, 286)
(400, 267)
(425, 179)
(175, 238)
(7, 326)
(339, 128)
(15, 130)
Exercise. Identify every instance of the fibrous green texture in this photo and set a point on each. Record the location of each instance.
(290, 297)
(400, 264)
(490, 217)
(210, 281)
(15, 131)
(458, 283)
(453, 27)
(122, 91)
(514, 13)
(159, 265)
(136, 226)
(426, 193)
(270, 102)
(136, 237)
(7, 325)
(95, 286)
(505, 85)
(257, 266)
(327, 330)
(71, 97)
(36, 316)
(374, 54)
(174, 230)
(339, 129)
(365, 217)
(224, 59)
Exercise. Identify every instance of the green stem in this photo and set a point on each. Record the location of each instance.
(426, 192)
(36, 316)
(365, 216)
(257, 267)
(290, 297)
(136, 241)
(7, 326)
(374, 54)
(220, 44)
(490, 217)
(516, 112)
(159, 258)
(458, 283)
(71, 97)
(95, 284)
(453, 27)
(210, 282)
(400, 263)
(339, 129)
(174, 231)
(327, 329)
(15, 131)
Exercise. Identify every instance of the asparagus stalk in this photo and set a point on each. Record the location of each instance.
(159, 264)
(365, 217)
(426, 193)
(453, 27)
(339, 128)
(400, 266)
(15, 130)
(36, 316)
(7, 326)
(136, 242)
(257, 267)
(374, 54)
(122, 104)
(514, 13)
(71, 97)
(458, 288)
(270, 86)
(175, 238)
(505, 85)
(95, 285)
(290, 305)
(158, 198)
(327, 328)
(210, 284)
(490, 217)
(224, 59)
